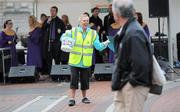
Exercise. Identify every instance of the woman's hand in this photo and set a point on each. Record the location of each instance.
(28, 35)
(105, 43)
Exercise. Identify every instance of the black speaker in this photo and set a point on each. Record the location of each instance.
(103, 71)
(161, 47)
(158, 8)
(23, 74)
(60, 73)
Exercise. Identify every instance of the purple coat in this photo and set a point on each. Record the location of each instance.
(111, 32)
(34, 48)
(4, 38)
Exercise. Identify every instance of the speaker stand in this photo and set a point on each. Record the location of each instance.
(159, 36)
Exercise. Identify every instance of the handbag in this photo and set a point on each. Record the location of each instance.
(158, 78)
(158, 74)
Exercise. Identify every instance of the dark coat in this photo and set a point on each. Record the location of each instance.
(133, 58)
(97, 22)
(59, 27)
(108, 20)
(46, 29)
(45, 42)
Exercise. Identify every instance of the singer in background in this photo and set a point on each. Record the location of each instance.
(8, 40)
(44, 46)
(34, 44)
(139, 17)
(55, 27)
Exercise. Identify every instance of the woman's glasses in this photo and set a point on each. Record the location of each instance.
(10, 23)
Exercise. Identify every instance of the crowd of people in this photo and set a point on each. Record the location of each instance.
(43, 38)
(121, 32)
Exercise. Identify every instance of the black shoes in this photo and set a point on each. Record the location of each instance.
(72, 102)
(86, 100)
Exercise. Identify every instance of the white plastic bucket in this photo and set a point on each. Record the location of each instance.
(67, 44)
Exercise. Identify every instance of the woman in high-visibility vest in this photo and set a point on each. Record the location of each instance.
(80, 58)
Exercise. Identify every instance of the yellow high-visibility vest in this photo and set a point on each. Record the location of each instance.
(83, 48)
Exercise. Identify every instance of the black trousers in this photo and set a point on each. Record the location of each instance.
(45, 67)
(81, 74)
(53, 53)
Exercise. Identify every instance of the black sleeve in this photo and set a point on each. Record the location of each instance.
(15, 38)
(69, 27)
(45, 25)
(61, 26)
(91, 20)
(105, 24)
(101, 25)
(139, 59)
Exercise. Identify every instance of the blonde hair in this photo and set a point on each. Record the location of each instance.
(34, 23)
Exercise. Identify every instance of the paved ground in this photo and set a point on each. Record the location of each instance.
(53, 97)
(169, 101)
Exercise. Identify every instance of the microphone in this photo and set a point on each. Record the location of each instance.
(17, 28)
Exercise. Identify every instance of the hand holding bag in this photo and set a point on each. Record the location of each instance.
(67, 44)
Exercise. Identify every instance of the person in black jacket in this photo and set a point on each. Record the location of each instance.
(96, 24)
(95, 21)
(131, 79)
(108, 20)
(55, 27)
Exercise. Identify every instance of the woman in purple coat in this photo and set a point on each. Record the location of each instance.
(8, 39)
(139, 17)
(34, 44)
(112, 31)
